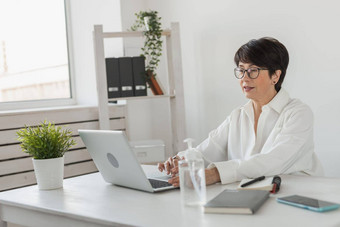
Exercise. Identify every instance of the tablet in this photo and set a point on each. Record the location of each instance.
(308, 203)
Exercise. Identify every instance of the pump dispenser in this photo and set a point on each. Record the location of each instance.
(191, 153)
(192, 176)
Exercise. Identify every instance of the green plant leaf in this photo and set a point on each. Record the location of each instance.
(45, 140)
(152, 39)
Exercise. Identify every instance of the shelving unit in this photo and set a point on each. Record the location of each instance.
(176, 94)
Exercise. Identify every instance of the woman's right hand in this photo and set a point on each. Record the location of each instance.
(170, 165)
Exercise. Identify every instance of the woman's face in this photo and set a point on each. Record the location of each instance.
(261, 89)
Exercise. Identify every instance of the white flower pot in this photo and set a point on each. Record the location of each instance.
(146, 23)
(49, 173)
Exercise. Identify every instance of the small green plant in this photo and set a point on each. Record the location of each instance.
(45, 141)
(152, 50)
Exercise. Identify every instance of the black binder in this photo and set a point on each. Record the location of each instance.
(138, 65)
(126, 76)
(112, 75)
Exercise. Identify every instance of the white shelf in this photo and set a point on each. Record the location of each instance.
(175, 81)
(165, 32)
(142, 97)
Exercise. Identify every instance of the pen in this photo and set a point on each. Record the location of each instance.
(276, 184)
(253, 181)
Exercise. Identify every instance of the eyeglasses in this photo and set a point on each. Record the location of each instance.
(253, 72)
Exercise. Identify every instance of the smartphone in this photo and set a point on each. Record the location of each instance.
(308, 203)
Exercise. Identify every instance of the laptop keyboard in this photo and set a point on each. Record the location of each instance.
(159, 184)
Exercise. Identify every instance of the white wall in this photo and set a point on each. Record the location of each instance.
(84, 14)
(212, 31)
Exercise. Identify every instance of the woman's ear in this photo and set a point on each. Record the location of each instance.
(276, 76)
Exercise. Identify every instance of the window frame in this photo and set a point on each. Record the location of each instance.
(19, 105)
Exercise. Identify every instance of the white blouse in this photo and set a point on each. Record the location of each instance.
(283, 144)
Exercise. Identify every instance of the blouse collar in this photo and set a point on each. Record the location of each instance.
(280, 100)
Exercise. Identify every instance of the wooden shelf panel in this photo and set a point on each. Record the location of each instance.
(165, 32)
(142, 97)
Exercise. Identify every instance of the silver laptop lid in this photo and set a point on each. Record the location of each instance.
(114, 158)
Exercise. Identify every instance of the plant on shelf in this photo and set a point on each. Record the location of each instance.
(47, 144)
(150, 24)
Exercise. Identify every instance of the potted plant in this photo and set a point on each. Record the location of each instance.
(47, 144)
(150, 24)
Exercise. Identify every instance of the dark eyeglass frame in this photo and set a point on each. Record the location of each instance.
(248, 72)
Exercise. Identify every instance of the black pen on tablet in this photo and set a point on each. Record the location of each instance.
(253, 181)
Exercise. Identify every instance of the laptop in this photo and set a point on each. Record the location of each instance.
(117, 162)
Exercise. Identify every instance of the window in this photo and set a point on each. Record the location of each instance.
(33, 51)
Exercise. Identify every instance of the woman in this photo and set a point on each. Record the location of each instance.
(271, 134)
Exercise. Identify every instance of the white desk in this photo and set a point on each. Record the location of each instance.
(89, 201)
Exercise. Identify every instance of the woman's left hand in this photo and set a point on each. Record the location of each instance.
(212, 176)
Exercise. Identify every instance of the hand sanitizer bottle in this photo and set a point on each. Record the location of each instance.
(192, 177)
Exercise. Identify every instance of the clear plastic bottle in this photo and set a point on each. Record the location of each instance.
(192, 177)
